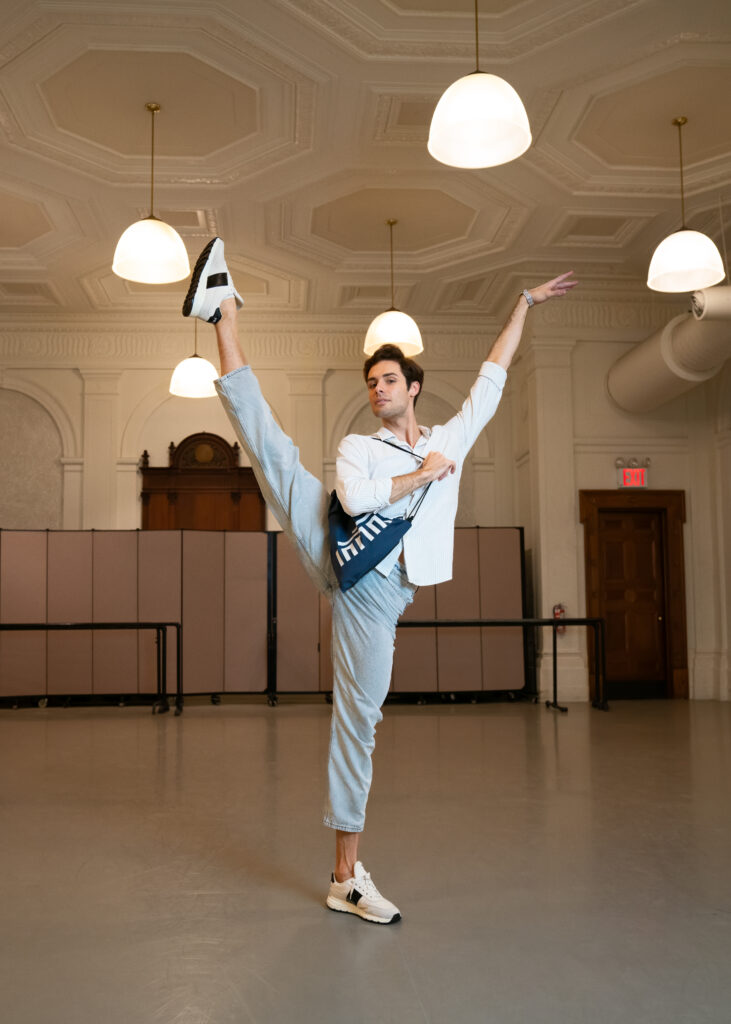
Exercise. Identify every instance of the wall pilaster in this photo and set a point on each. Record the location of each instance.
(99, 490)
(554, 505)
(306, 398)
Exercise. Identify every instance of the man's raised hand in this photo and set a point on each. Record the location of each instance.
(552, 289)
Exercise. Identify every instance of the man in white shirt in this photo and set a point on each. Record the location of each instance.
(371, 476)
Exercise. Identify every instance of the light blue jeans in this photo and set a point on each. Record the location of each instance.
(364, 617)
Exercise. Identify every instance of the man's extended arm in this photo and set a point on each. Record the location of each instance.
(507, 341)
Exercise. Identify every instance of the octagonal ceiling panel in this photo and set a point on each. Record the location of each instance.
(426, 217)
(631, 126)
(441, 218)
(597, 230)
(228, 106)
(217, 112)
(612, 132)
(21, 221)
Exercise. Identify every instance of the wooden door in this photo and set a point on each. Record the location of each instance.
(635, 581)
(632, 601)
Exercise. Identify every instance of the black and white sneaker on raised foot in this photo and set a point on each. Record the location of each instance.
(358, 895)
(210, 284)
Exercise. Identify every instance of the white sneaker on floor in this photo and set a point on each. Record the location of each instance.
(358, 895)
(210, 284)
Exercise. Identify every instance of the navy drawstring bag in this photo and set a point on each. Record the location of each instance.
(358, 544)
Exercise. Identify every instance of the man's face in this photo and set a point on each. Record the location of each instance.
(387, 390)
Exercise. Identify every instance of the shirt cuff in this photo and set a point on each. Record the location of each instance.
(384, 486)
(497, 374)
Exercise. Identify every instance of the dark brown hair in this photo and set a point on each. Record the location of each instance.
(410, 369)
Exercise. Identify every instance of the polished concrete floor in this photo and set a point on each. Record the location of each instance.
(572, 868)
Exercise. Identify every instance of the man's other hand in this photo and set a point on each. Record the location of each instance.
(437, 466)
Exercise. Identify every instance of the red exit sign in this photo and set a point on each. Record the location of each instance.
(632, 476)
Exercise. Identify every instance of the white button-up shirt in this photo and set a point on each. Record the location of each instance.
(365, 468)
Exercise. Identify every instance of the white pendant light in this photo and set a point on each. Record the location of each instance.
(685, 260)
(194, 376)
(393, 327)
(480, 121)
(150, 251)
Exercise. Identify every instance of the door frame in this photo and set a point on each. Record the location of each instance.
(671, 504)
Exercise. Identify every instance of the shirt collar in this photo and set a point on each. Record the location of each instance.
(385, 433)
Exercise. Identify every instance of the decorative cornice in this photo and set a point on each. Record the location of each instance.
(335, 340)
(624, 446)
(608, 315)
(368, 39)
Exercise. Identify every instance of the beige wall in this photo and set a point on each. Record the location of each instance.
(84, 421)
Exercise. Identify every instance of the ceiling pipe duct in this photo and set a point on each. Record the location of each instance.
(689, 350)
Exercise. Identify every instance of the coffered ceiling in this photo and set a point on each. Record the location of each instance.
(295, 128)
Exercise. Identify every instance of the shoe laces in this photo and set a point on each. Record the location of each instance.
(365, 885)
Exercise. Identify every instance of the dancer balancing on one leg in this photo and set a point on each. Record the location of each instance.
(370, 477)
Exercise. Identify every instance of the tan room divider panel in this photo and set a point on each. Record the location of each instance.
(486, 583)
(459, 657)
(326, 664)
(70, 655)
(245, 601)
(159, 599)
(203, 611)
(298, 624)
(114, 599)
(415, 658)
(501, 597)
(23, 567)
(216, 583)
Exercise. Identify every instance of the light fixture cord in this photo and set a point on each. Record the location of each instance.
(477, 41)
(195, 345)
(153, 108)
(390, 228)
(723, 234)
(680, 121)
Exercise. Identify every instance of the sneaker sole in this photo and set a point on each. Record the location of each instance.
(342, 907)
(190, 298)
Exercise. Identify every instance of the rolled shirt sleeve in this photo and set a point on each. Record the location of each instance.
(358, 493)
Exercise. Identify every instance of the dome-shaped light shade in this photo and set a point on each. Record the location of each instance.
(683, 262)
(193, 378)
(393, 328)
(151, 252)
(480, 121)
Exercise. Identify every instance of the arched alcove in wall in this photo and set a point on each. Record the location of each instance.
(160, 418)
(174, 418)
(31, 473)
